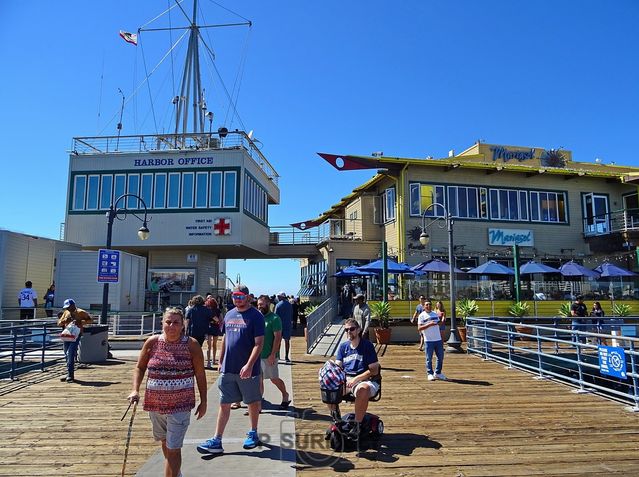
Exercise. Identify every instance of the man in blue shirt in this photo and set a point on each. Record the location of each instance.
(358, 358)
(284, 310)
(240, 368)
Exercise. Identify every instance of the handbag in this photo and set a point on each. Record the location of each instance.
(70, 333)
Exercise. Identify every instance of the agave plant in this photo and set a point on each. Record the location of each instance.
(621, 309)
(466, 308)
(564, 310)
(519, 309)
(380, 310)
(310, 309)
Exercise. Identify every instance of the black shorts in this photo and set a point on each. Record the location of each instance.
(199, 339)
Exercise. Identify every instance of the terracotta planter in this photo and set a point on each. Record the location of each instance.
(527, 330)
(383, 335)
(462, 333)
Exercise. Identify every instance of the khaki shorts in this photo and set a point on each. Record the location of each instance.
(170, 427)
(270, 371)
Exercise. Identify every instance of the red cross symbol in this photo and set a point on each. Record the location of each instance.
(222, 227)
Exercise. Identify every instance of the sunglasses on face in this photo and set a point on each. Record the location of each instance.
(350, 329)
(428, 304)
(239, 296)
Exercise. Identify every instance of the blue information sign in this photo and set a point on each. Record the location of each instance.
(612, 361)
(108, 266)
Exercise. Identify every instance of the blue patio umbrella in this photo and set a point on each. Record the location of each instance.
(536, 267)
(573, 269)
(491, 268)
(391, 267)
(434, 265)
(608, 269)
(352, 271)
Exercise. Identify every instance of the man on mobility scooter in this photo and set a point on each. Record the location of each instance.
(354, 376)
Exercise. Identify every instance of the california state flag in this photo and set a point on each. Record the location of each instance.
(129, 37)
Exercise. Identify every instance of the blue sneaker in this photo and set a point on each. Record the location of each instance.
(252, 440)
(211, 446)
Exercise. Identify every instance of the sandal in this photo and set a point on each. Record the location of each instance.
(285, 404)
(236, 405)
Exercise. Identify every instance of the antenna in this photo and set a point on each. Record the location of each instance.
(119, 126)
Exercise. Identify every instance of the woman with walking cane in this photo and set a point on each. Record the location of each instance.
(173, 360)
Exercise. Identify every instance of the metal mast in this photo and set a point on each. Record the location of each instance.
(191, 86)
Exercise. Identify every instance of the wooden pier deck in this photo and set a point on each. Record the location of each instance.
(486, 421)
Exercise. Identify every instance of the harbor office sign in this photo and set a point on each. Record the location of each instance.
(507, 237)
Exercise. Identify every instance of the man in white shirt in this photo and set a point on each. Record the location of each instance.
(428, 325)
(27, 301)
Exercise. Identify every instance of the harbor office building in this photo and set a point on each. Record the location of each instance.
(555, 208)
(206, 197)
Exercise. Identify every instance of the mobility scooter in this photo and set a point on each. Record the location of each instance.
(340, 433)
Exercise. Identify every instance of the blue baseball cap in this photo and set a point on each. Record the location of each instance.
(68, 302)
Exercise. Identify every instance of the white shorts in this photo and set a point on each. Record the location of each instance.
(373, 388)
(170, 427)
(270, 371)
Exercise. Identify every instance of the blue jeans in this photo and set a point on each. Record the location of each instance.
(579, 325)
(438, 348)
(71, 351)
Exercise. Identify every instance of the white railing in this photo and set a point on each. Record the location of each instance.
(555, 351)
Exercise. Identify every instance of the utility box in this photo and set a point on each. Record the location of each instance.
(76, 276)
(94, 344)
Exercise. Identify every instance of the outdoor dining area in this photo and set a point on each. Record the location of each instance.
(494, 282)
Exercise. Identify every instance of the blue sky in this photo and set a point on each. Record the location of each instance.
(410, 78)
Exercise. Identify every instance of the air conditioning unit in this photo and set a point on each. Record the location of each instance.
(214, 143)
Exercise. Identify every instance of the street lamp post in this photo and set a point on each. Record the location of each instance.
(454, 342)
(143, 234)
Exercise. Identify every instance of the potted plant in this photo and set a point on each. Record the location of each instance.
(380, 311)
(621, 309)
(465, 308)
(519, 309)
(564, 310)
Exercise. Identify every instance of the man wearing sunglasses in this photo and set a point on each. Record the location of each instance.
(240, 368)
(358, 358)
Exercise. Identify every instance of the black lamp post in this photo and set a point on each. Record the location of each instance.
(454, 342)
(143, 234)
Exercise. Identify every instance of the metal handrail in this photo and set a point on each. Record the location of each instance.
(25, 347)
(318, 321)
(555, 351)
(94, 145)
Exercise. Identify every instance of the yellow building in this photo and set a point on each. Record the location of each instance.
(554, 208)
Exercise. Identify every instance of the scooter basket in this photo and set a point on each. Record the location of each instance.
(332, 396)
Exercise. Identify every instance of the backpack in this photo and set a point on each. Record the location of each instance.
(331, 376)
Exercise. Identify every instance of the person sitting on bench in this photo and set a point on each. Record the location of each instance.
(358, 358)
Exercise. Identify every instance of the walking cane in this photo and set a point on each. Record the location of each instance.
(128, 437)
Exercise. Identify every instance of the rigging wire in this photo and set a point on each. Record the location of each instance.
(226, 91)
(97, 126)
(230, 11)
(177, 3)
(170, 43)
(239, 77)
(133, 94)
(148, 85)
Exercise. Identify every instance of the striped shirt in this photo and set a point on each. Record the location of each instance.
(169, 386)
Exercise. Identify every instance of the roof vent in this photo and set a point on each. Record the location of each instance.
(451, 153)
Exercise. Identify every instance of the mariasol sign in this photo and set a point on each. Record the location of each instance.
(511, 237)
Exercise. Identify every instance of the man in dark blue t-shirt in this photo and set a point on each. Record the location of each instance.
(240, 368)
(358, 358)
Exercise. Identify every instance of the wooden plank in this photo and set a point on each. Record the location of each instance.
(486, 420)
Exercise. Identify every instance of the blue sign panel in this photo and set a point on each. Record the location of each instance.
(612, 361)
(108, 266)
